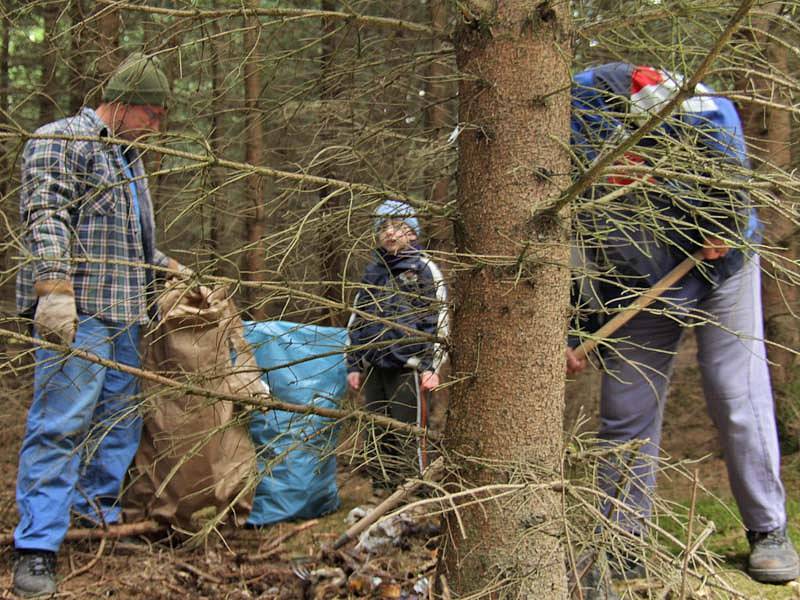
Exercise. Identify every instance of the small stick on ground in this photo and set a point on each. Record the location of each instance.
(199, 573)
(432, 473)
(445, 588)
(88, 565)
(689, 537)
(275, 546)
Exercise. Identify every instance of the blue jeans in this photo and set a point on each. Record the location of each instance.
(82, 433)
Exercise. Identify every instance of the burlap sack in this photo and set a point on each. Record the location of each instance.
(196, 458)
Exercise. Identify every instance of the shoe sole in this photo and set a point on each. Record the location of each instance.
(28, 594)
(775, 575)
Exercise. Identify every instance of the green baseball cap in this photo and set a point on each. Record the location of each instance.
(138, 80)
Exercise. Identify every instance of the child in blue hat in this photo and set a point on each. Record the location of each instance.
(399, 308)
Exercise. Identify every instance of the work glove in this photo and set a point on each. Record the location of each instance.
(56, 317)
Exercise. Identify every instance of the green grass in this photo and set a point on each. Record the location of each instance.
(729, 542)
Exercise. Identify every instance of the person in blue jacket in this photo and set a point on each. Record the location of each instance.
(637, 228)
(400, 308)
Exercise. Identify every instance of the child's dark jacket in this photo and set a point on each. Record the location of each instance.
(404, 294)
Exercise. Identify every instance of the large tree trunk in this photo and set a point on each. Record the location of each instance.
(511, 315)
(254, 259)
(769, 132)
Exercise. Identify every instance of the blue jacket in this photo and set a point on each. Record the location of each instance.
(405, 290)
(646, 233)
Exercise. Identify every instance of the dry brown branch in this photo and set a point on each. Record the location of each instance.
(275, 545)
(88, 566)
(112, 531)
(247, 401)
(285, 14)
(433, 473)
(198, 572)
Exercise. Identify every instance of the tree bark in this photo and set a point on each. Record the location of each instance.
(216, 141)
(5, 90)
(6, 203)
(254, 258)
(769, 132)
(510, 318)
(437, 115)
(331, 251)
(78, 77)
(49, 88)
(103, 48)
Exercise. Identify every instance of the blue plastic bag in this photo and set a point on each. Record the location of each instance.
(303, 364)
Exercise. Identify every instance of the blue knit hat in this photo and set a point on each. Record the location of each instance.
(394, 209)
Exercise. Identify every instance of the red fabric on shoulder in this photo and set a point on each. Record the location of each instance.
(644, 76)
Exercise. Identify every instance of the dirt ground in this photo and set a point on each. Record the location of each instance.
(224, 568)
(280, 562)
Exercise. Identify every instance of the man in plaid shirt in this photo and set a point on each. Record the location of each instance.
(86, 279)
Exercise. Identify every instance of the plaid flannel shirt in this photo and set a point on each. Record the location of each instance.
(79, 221)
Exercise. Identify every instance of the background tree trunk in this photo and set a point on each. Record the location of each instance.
(78, 81)
(769, 132)
(331, 251)
(5, 94)
(217, 143)
(510, 318)
(6, 203)
(254, 264)
(49, 87)
(104, 30)
(438, 114)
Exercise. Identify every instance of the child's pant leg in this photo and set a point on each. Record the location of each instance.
(391, 454)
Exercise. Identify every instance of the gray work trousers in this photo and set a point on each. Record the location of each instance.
(736, 384)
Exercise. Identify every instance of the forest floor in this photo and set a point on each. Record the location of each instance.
(154, 570)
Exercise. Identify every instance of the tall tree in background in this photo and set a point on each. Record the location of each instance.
(254, 155)
(216, 142)
(438, 114)
(768, 127)
(49, 87)
(5, 84)
(510, 310)
(104, 28)
(78, 81)
(330, 88)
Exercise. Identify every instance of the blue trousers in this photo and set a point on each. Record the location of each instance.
(82, 433)
(738, 394)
